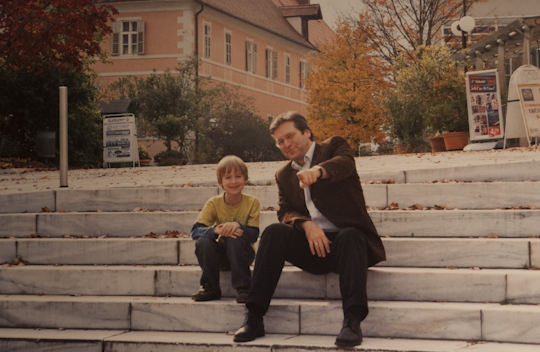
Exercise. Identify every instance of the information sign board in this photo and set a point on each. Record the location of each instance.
(120, 139)
(484, 102)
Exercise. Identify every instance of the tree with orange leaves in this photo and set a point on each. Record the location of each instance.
(344, 87)
(38, 34)
(401, 26)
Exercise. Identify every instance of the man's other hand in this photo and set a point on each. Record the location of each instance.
(319, 244)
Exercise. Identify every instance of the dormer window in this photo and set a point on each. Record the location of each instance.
(299, 16)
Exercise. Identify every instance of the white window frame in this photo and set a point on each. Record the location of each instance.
(304, 72)
(207, 40)
(251, 56)
(287, 66)
(271, 63)
(228, 47)
(127, 37)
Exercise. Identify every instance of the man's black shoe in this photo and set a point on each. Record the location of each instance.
(206, 293)
(351, 334)
(242, 294)
(253, 327)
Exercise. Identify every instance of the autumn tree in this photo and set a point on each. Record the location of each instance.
(38, 34)
(344, 87)
(401, 26)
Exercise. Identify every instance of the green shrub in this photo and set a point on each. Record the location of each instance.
(169, 158)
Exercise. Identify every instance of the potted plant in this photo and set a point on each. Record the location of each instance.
(446, 109)
(144, 157)
(169, 158)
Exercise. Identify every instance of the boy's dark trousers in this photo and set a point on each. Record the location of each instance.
(234, 254)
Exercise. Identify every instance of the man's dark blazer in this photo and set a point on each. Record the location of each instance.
(339, 197)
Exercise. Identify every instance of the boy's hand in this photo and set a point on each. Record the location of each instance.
(229, 229)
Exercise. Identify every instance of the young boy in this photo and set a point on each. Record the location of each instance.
(225, 230)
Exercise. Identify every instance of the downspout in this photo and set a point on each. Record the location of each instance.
(197, 66)
(197, 36)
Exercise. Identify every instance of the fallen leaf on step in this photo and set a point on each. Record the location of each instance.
(46, 209)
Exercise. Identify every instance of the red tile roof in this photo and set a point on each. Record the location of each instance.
(261, 13)
(320, 33)
(267, 15)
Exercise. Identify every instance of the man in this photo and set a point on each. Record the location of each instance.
(324, 227)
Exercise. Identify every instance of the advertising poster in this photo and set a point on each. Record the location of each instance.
(530, 103)
(485, 117)
(118, 139)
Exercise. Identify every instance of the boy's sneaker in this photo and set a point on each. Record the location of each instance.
(242, 294)
(206, 293)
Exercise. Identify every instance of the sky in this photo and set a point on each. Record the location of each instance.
(331, 9)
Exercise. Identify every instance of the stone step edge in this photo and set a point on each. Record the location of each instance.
(174, 251)
(269, 342)
(393, 284)
(454, 195)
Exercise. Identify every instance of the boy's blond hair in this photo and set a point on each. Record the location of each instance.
(231, 163)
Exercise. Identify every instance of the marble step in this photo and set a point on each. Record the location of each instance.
(128, 341)
(420, 320)
(396, 284)
(482, 195)
(397, 223)
(516, 253)
(31, 340)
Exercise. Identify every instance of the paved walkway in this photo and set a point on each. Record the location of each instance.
(27, 180)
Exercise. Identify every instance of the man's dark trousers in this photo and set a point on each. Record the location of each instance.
(347, 257)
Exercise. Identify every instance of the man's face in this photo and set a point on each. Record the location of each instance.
(293, 143)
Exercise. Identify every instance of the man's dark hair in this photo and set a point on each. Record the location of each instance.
(300, 122)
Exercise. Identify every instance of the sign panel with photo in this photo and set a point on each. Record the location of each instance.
(119, 139)
(484, 102)
(530, 103)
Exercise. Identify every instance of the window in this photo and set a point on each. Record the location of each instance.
(304, 73)
(128, 37)
(287, 68)
(207, 40)
(271, 63)
(251, 56)
(228, 48)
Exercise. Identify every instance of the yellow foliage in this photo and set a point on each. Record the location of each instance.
(344, 87)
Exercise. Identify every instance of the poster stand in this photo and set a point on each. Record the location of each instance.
(486, 128)
(523, 113)
(120, 139)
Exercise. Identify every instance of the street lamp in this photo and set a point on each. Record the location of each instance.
(213, 124)
(465, 24)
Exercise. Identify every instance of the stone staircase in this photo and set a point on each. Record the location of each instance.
(108, 270)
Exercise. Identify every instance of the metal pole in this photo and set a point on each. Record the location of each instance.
(63, 137)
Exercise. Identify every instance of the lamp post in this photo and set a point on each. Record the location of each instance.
(213, 124)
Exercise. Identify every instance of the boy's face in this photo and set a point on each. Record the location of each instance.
(233, 182)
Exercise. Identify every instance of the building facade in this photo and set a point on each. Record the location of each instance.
(260, 46)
